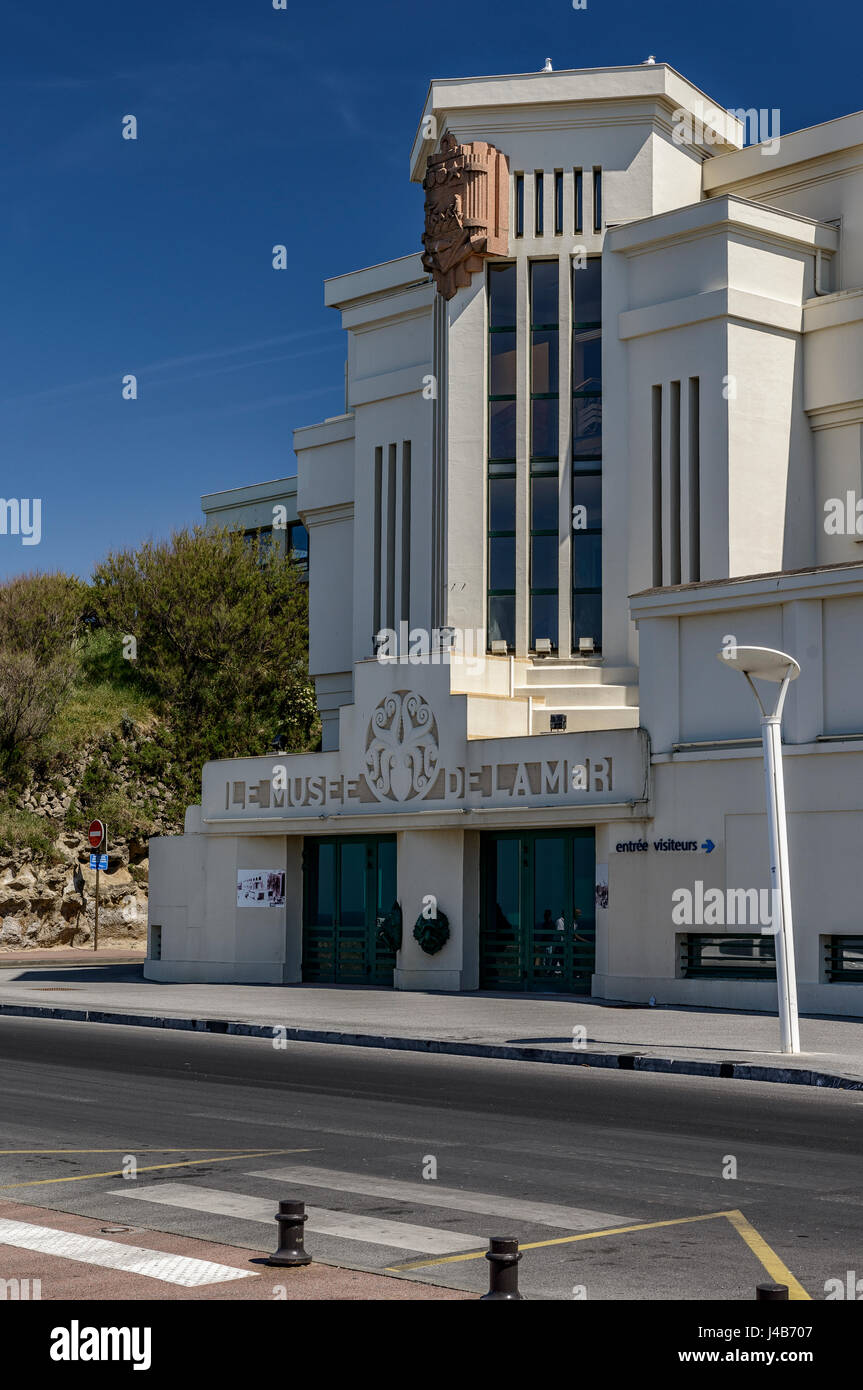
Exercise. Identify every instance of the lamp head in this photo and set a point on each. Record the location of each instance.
(763, 663)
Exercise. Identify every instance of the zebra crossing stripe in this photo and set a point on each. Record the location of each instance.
(431, 1194)
(131, 1259)
(373, 1230)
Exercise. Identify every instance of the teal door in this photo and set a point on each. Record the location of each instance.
(538, 925)
(349, 882)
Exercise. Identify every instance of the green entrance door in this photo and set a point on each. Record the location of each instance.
(538, 927)
(348, 883)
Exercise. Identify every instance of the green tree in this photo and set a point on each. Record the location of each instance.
(41, 619)
(220, 628)
(43, 614)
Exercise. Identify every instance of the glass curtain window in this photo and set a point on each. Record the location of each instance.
(501, 453)
(587, 452)
(544, 407)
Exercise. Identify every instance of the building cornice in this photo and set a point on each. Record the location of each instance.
(450, 99)
(756, 591)
(811, 144)
(726, 214)
(832, 417)
(325, 516)
(385, 385)
(229, 500)
(372, 281)
(468, 818)
(333, 431)
(715, 304)
(833, 310)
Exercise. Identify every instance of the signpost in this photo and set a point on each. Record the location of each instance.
(98, 837)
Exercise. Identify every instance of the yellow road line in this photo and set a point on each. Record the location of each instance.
(150, 1168)
(779, 1272)
(139, 1148)
(564, 1240)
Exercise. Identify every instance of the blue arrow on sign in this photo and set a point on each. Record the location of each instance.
(708, 845)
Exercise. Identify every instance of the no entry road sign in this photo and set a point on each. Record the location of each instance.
(96, 834)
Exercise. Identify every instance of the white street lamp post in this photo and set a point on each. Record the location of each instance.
(765, 664)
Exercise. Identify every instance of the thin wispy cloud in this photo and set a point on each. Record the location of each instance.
(151, 369)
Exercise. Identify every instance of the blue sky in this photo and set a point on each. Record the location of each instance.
(255, 127)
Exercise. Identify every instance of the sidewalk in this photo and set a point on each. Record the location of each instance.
(73, 955)
(58, 1255)
(700, 1042)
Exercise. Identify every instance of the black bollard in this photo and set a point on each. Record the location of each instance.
(503, 1256)
(771, 1291)
(291, 1218)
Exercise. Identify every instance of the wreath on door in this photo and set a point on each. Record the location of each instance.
(432, 933)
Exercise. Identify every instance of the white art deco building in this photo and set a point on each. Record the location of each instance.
(609, 419)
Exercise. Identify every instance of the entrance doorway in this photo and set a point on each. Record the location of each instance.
(348, 882)
(538, 922)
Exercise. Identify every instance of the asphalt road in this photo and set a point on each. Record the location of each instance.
(219, 1128)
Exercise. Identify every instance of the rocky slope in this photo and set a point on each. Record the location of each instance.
(48, 899)
(39, 904)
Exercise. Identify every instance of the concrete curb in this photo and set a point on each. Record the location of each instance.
(509, 1052)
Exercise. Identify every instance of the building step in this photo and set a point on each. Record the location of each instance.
(579, 696)
(547, 673)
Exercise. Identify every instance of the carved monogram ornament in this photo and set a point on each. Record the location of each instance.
(401, 747)
(466, 209)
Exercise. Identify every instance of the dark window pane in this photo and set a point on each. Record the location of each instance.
(544, 499)
(558, 202)
(584, 882)
(298, 542)
(507, 880)
(353, 884)
(519, 204)
(544, 359)
(543, 618)
(587, 492)
(501, 562)
(387, 888)
(501, 504)
(587, 359)
(543, 564)
(587, 291)
(543, 292)
(501, 290)
(324, 907)
(544, 429)
(587, 618)
(502, 429)
(539, 203)
(502, 364)
(501, 619)
(586, 561)
(587, 425)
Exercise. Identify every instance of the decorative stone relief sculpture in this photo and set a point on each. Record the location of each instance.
(401, 747)
(466, 209)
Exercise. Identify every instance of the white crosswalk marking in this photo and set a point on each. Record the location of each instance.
(398, 1235)
(431, 1194)
(109, 1254)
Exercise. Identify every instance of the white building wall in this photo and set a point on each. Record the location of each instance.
(721, 267)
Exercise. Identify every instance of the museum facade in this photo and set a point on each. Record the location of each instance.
(608, 420)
